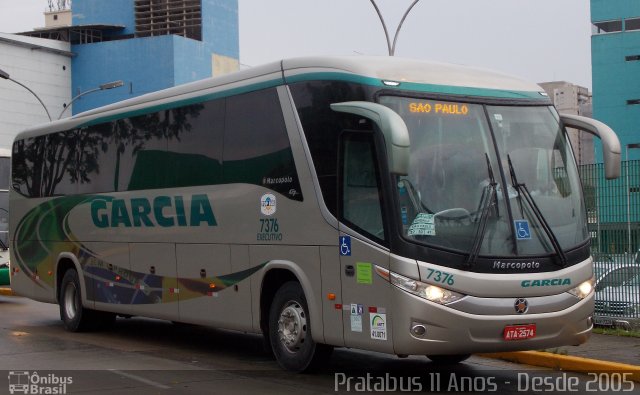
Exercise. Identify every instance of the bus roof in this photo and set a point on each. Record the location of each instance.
(410, 74)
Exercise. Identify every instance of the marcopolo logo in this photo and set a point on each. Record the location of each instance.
(35, 383)
(546, 283)
(163, 211)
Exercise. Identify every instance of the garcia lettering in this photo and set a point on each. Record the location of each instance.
(163, 211)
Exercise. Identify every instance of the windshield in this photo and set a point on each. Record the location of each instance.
(463, 154)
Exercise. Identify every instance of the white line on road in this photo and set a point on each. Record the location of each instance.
(140, 379)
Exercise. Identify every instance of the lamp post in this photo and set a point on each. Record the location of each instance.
(632, 145)
(392, 47)
(108, 85)
(4, 75)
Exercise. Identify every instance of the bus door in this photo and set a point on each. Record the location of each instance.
(366, 312)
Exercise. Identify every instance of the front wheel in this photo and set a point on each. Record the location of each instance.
(76, 318)
(290, 331)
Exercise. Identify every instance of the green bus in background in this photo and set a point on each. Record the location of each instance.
(5, 176)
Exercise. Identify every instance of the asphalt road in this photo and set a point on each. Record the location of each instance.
(141, 356)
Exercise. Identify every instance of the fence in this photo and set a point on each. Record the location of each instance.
(613, 212)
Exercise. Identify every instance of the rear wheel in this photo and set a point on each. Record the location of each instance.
(290, 331)
(449, 359)
(76, 318)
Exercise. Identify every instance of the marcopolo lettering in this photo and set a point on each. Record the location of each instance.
(500, 265)
(163, 211)
(546, 283)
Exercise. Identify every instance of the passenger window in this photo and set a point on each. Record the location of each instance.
(256, 144)
(361, 203)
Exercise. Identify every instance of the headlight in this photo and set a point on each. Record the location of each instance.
(583, 290)
(426, 291)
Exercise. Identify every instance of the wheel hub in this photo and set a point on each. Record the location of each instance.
(70, 301)
(292, 326)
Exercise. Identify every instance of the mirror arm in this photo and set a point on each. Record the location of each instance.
(610, 142)
(392, 126)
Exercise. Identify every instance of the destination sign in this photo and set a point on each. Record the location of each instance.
(439, 108)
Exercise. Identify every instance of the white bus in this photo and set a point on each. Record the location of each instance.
(323, 202)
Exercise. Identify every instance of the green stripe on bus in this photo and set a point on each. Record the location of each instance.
(418, 87)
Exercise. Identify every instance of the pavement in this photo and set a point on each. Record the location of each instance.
(600, 354)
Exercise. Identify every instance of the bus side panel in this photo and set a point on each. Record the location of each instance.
(155, 266)
(331, 316)
(108, 277)
(369, 327)
(209, 294)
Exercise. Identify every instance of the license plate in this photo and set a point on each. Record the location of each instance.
(519, 332)
(603, 321)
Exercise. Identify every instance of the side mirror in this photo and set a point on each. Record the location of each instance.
(610, 142)
(393, 128)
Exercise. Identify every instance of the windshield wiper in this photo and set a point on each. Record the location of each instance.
(523, 191)
(488, 197)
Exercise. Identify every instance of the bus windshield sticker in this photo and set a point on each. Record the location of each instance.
(268, 204)
(364, 274)
(423, 225)
(522, 229)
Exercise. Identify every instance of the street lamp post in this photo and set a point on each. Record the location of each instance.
(4, 75)
(108, 85)
(633, 145)
(392, 47)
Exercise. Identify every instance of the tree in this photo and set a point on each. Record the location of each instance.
(59, 5)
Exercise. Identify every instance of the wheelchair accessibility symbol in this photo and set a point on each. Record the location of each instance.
(345, 245)
(522, 229)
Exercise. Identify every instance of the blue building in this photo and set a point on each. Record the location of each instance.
(148, 44)
(615, 50)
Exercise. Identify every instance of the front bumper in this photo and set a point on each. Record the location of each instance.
(450, 331)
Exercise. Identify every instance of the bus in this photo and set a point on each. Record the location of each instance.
(378, 203)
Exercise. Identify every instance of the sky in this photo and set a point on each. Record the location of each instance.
(538, 40)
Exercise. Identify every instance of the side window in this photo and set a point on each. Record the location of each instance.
(256, 144)
(361, 199)
(26, 166)
(195, 144)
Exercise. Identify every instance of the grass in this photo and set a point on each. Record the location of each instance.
(617, 332)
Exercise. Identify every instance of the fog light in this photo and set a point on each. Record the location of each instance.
(418, 330)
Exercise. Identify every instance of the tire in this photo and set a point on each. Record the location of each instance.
(75, 317)
(290, 331)
(448, 359)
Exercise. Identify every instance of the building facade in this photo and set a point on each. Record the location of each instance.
(615, 50)
(573, 99)
(149, 45)
(44, 66)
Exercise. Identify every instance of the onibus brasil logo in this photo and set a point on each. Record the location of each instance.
(34, 383)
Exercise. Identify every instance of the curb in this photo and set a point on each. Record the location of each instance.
(6, 292)
(566, 362)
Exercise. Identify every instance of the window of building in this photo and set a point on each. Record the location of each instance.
(607, 27)
(159, 18)
(633, 102)
(632, 58)
(632, 24)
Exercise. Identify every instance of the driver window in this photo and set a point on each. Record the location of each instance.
(361, 205)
